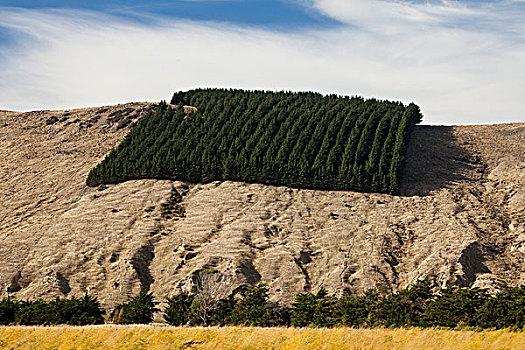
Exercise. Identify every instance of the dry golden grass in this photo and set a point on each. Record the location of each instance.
(144, 337)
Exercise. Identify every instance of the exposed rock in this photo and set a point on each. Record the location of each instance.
(460, 220)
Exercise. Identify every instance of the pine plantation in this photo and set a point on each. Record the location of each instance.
(294, 139)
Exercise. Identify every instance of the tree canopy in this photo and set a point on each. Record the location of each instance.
(295, 139)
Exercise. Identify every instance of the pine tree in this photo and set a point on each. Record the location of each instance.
(304, 140)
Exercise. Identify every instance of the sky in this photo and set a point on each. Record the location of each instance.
(462, 62)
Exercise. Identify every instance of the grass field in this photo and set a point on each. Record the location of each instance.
(147, 337)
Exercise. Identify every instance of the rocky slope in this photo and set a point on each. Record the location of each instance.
(460, 219)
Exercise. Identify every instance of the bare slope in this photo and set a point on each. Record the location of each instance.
(461, 219)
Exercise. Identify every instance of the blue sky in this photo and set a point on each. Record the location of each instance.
(461, 61)
(275, 14)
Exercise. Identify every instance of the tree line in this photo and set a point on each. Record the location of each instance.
(295, 139)
(78, 312)
(415, 306)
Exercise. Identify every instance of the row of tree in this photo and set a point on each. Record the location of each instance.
(296, 139)
(416, 306)
(83, 311)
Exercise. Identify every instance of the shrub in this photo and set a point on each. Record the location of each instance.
(36, 313)
(87, 311)
(506, 309)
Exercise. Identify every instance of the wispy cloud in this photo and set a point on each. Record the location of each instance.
(462, 63)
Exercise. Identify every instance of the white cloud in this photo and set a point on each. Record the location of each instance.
(433, 54)
(377, 15)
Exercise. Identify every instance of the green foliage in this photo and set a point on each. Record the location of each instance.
(357, 310)
(253, 309)
(211, 304)
(83, 311)
(404, 308)
(37, 313)
(177, 311)
(301, 139)
(222, 315)
(207, 311)
(172, 208)
(504, 310)
(87, 312)
(316, 310)
(139, 310)
(415, 306)
(8, 310)
(456, 307)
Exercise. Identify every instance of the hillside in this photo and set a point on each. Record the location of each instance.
(459, 218)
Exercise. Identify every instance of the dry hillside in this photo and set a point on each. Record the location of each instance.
(460, 220)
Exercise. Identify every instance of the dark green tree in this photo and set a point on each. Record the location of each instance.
(8, 309)
(139, 310)
(37, 313)
(86, 311)
(358, 310)
(302, 139)
(253, 309)
(177, 312)
(406, 307)
(504, 310)
(315, 310)
(455, 307)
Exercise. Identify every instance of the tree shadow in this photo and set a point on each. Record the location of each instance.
(437, 159)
